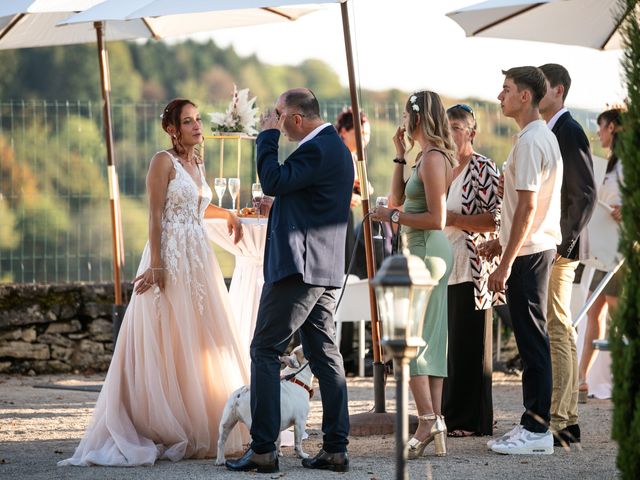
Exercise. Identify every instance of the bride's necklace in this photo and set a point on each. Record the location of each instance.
(191, 164)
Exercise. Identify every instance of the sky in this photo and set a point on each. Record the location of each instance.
(411, 45)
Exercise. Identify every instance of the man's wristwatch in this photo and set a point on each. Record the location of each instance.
(395, 215)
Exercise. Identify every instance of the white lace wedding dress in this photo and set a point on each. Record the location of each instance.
(177, 357)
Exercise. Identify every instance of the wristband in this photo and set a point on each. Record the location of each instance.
(401, 161)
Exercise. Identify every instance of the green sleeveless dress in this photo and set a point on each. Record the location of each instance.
(434, 247)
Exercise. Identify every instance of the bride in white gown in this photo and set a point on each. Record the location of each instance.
(177, 358)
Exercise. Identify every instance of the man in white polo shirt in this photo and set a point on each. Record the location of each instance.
(529, 233)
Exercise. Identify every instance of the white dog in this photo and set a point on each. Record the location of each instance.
(295, 394)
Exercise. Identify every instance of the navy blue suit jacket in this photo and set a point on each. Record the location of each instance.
(578, 193)
(308, 218)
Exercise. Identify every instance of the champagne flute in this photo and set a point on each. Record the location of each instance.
(220, 185)
(380, 202)
(256, 194)
(234, 188)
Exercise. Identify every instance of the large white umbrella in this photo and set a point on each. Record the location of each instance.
(588, 23)
(135, 10)
(183, 21)
(35, 23)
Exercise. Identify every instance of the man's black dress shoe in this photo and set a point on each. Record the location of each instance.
(337, 462)
(262, 462)
(566, 436)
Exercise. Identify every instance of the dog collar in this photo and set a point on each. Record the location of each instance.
(303, 385)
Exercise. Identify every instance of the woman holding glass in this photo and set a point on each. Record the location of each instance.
(423, 219)
(178, 355)
(609, 125)
(472, 218)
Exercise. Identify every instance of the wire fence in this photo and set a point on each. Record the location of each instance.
(54, 202)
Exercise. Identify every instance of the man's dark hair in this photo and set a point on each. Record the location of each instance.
(304, 100)
(557, 75)
(345, 120)
(529, 78)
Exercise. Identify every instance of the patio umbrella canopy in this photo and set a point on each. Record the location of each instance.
(179, 19)
(587, 23)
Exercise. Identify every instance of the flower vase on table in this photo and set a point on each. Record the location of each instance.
(241, 117)
(236, 124)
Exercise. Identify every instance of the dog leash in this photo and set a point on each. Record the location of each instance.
(291, 375)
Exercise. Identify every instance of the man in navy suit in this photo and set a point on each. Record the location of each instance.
(577, 200)
(303, 267)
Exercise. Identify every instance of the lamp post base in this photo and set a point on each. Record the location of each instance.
(377, 422)
(371, 423)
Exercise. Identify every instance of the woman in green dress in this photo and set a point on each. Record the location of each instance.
(423, 219)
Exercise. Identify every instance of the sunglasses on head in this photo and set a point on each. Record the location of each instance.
(464, 107)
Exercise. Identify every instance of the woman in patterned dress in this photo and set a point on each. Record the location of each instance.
(473, 207)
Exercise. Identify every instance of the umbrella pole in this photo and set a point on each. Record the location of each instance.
(114, 191)
(368, 423)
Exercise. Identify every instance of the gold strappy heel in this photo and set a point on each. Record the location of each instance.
(438, 435)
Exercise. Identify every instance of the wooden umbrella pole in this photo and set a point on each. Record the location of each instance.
(378, 371)
(114, 191)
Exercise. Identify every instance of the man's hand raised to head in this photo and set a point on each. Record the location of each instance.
(270, 119)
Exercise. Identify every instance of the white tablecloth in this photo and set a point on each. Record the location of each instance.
(247, 279)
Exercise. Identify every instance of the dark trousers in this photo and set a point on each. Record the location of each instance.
(467, 403)
(527, 298)
(286, 306)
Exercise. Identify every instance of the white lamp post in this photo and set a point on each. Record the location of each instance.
(403, 287)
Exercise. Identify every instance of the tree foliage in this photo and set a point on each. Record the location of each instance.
(625, 331)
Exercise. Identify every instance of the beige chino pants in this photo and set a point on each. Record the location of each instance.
(562, 339)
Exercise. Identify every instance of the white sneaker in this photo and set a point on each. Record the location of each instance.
(514, 431)
(526, 443)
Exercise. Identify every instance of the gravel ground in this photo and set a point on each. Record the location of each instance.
(38, 427)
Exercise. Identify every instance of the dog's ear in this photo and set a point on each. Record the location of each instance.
(300, 355)
(290, 361)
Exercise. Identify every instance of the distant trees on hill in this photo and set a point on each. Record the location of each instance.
(154, 71)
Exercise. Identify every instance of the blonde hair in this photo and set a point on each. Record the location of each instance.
(433, 122)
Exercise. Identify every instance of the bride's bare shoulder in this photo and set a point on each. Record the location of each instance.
(161, 160)
(161, 165)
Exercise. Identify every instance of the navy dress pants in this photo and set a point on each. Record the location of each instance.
(527, 289)
(285, 307)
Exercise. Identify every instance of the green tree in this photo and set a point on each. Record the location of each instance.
(73, 163)
(320, 78)
(9, 64)
(9, 237)
(625, 331)
(126, 82)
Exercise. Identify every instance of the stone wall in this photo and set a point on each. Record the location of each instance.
(56, 328)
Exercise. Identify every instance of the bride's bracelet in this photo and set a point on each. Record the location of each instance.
(153, 273)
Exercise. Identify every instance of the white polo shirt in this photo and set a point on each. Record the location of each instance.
(535, 165)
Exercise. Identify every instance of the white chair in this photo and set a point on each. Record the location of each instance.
(354, 307)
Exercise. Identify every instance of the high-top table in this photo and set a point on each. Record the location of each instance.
(247, 278)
